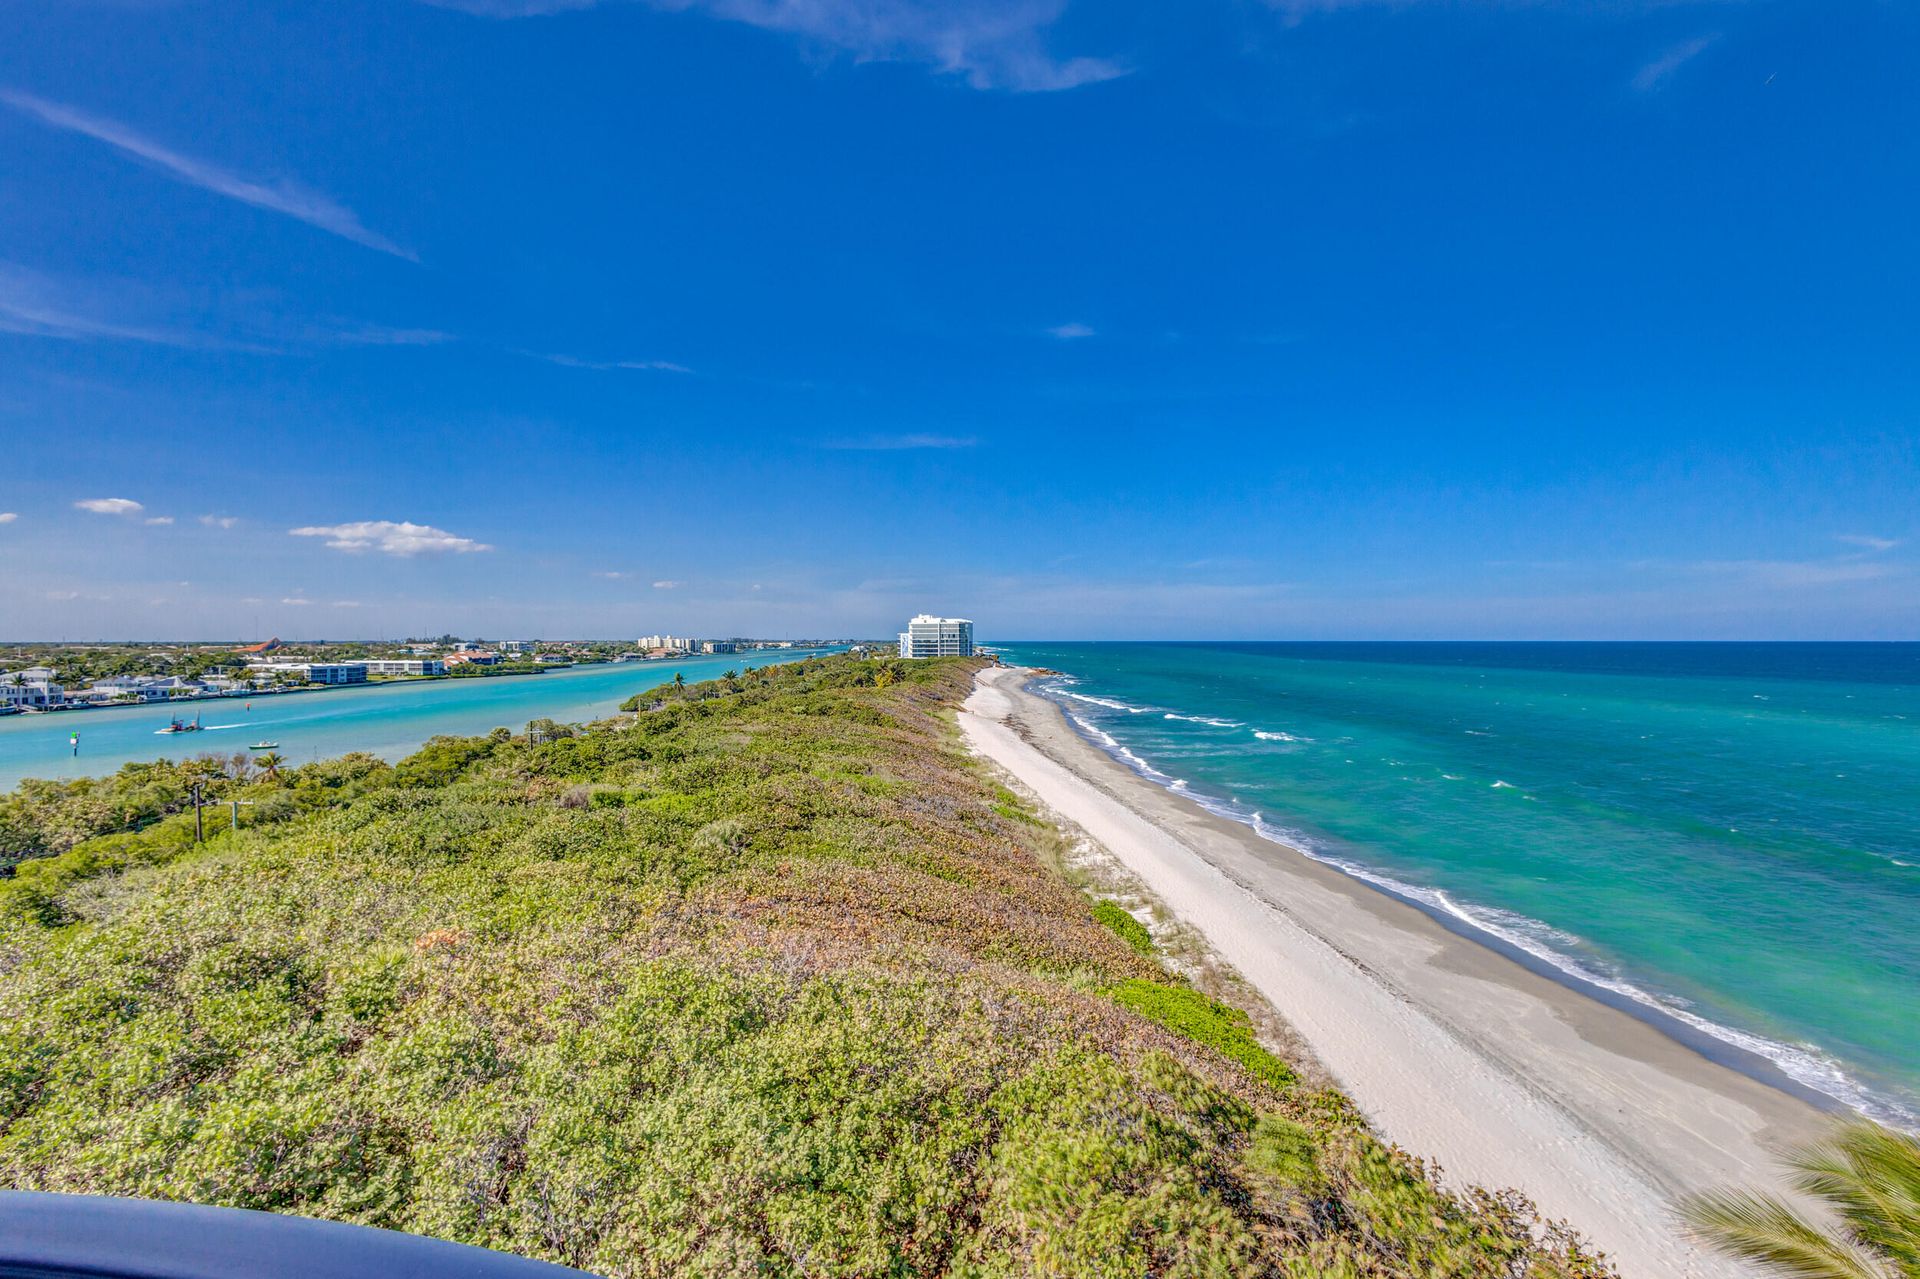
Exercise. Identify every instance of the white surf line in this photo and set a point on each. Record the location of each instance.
(1422, 1087)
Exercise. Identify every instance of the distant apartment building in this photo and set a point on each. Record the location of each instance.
(316, 672)
(719, 646)
(676, 643)
(517, 646)
(405, 666)
(929, 636)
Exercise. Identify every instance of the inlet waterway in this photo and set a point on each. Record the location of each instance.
(388, 719)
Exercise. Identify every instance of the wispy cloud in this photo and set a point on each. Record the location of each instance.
(219, 521)
(109, 505)
(1867, 541)
(38, 306)
(159, 520)
(380, 335)
(1795, 574)
(1656, 73)
(391, 537)
(106, 309)
(890, 443)
(8, 517)
(605, 366)
(611, 575)
(296, 601)
(284, 197)
(1067, 332)
(990, 44)
(665, 585)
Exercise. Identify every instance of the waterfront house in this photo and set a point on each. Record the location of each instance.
(31, 689)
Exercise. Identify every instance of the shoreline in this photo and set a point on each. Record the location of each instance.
(1454, 1049)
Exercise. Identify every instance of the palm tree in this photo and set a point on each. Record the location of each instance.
(269, 763)
(679, 682)
(1869, 1178)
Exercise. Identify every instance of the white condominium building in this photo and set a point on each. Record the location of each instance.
(929, 636)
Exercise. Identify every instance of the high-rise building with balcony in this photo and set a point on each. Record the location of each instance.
(929, 636)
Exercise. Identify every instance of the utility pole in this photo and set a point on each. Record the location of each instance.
(236, 810)
(199, 827)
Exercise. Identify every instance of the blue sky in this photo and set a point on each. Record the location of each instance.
(1336, 319)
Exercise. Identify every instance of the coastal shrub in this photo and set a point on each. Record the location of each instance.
(1227, 1031)
(1124, 926)
(767, 981)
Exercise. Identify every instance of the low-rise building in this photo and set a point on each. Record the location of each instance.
(405, 666)
(30, 694)
(316, 672)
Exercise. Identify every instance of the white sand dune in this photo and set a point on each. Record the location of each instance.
(1452, 1050)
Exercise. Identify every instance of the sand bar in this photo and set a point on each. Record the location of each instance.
(1453, 1050)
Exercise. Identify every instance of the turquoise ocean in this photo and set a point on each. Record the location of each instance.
(388, 719)
(1724, 838)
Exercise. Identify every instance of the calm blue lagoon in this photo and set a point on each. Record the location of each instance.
(388, 720)
(1723, 832)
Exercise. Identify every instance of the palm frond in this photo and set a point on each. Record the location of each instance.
(1871, 1176)
(1762, 1229)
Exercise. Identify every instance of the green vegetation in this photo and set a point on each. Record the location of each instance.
(1869, 1179)
(1124, 926)
(765, 979)
(1207, 1021)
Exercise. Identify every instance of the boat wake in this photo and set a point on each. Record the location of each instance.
(204, 728)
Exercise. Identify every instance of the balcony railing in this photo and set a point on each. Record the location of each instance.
(47, 1236)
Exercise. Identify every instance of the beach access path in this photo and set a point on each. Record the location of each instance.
(1453, 1051)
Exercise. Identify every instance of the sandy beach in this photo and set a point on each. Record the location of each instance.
(1453, 1050)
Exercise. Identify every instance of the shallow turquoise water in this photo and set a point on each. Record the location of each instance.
(389, 720)
(1727, 833)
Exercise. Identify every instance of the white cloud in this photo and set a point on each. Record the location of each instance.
(1867, 541)
(991, 44)
(1656, 73)
(390, 536)
(289, 198)
(611, 575)
(667, 585)
(1067, 332)
(889, 443)
(160, 520)
(219, 521)
(8, 517)
(296, 601)
(109, 506)
(346, 603)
